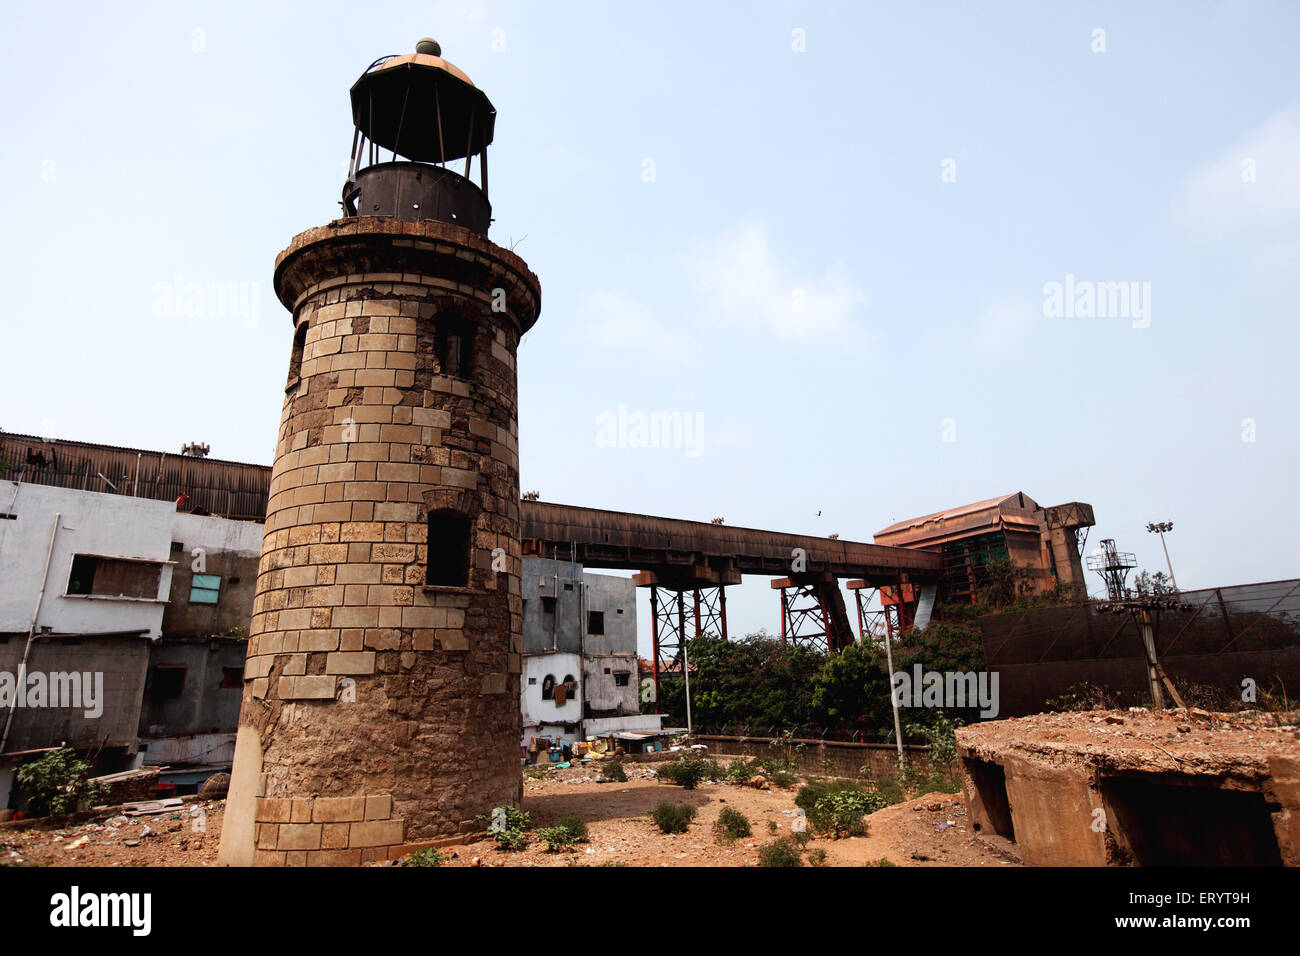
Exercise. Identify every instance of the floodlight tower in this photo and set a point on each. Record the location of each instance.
(1113, 566)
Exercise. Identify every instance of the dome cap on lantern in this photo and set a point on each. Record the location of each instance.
(422, 107)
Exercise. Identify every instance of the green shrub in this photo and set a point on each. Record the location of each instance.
(783, 779)
(840, 812)
(556, 838)
(837, 807)
(690, 772)
(817, 857)
(672, 817)
(739, 771)
(507, 827)
(614, 771)
(57, 783)
(429, 856)
(575, 825)
(780, 852)
(731, 825)
(883, 861)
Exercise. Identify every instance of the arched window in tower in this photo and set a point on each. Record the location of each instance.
(548, 687)
(448, 554)
(295, 359)
(455, 345)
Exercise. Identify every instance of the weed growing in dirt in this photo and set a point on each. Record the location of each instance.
(507, 827)
(780, 852)
(836, 807)
(429, 856)
(614, 771)
(690, 772)
(731, 825)
(672, 817)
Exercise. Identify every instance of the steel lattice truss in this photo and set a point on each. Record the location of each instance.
(803, 618)
(875, 624)
(683, 613)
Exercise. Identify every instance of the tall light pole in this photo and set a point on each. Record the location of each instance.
(1160, 527)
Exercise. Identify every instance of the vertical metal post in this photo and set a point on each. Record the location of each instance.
(893, 701)
(1169, 564)
(686, 670)
(654, 629)
(722, 609)
(1149, 644)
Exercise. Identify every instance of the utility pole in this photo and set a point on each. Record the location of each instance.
(1160, 527)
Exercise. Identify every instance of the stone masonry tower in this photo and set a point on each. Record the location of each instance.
(381, 694)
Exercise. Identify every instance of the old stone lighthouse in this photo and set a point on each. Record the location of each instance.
(381, 694)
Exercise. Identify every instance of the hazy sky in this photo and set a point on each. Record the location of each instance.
(825, 231)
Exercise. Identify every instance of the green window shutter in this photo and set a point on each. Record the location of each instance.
(204, 588)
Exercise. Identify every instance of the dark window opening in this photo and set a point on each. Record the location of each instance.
(448, 555)
(1159, 823)
(548, 604)
(595, 622)
(548, 687)
(6, 516)
(178, 547)
(295, 358)
(232, 677)
(165, 682)
(532, 681)
(113, 577)
(620, 680)
(990, 784)
(570, 687)
(455, 345)
(568, 587)
(620, 610)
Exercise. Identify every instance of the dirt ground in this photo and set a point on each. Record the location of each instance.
(928, 831)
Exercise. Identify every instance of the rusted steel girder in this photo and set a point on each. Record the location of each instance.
(617, 539)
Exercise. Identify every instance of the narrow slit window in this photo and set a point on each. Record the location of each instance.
(455, 345)
(295, 359)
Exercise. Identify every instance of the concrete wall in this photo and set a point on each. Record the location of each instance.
(122, 661)
(203, 705)
(230, 550)
(91, 523)
(537, 711)
(567, 628)
(838, 758)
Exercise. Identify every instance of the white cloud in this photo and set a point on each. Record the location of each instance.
(741, 281)
(1256, 184)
